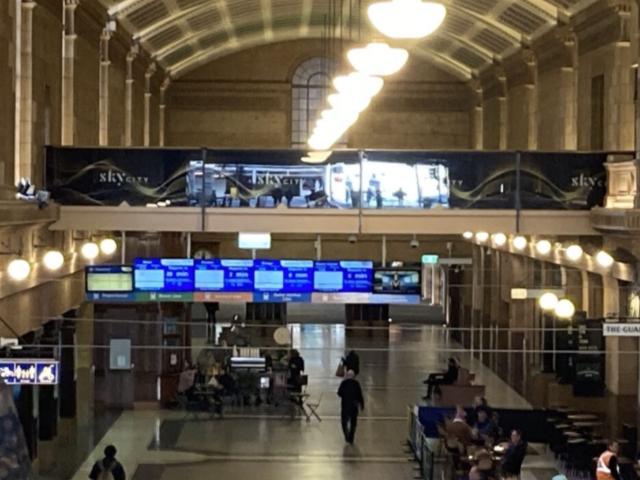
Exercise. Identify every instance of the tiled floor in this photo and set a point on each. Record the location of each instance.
(258, 444)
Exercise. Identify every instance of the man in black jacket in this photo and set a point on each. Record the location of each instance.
(514, 455)
(351, 395)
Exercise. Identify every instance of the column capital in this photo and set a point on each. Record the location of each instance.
(71, 3)
(28, 4)
(521, 67)
(494, 81)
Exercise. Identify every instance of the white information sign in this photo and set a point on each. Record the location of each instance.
(621, 329)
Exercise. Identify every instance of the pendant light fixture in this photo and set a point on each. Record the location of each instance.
(406, 18)
(378, 59)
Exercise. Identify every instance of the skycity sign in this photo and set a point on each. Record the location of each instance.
(20, 371)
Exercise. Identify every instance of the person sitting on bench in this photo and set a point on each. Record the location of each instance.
(447, 378)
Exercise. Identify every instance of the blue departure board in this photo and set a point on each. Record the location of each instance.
(163, 274)
(286, 276)
(220, 275)
(343, 276)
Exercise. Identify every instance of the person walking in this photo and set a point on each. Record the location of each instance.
(108, 468)
(351, 394)
(352, 362)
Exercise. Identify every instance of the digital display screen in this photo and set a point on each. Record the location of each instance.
(286, 276)
(343, 276)
(108, 278)
(402, 282)
(219, 275)
(164, 275)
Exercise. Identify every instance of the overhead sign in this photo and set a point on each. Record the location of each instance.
(429, 259)
(621, 329)
(19, 371)
(254, 241)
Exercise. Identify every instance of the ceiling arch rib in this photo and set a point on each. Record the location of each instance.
(180, 32)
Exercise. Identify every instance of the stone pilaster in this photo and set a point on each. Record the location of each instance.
(521, 72)
(24, 113)
(606, 81)
(151, 70)
(557, 68)
(162, 121)
(494, 108)
(103, 106)
(475, 114)
(68, 69)
(128, 96)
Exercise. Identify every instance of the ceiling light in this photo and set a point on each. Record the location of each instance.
(316, 156)
(349, 103)
(467, 235)
(499, 239)
(574, 252)
(108, 246)
(565, 309)
(53, 260)
(548, 301)
(482, 237)
(357, 83)
(543, 247)
(519, 242)
(406, 18)
(378, 59)
(604, 259)
(90, 250)
(18, 269)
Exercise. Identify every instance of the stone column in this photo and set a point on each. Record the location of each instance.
(522, 130)
(68, 70)
(494, 108)
(557, 67)
(475, 112)
(24, 161)
(128, 97)
(147, 103)
(8, 37)
(103, 104)
(162, 113)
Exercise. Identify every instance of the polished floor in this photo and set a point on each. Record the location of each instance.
(253, 442)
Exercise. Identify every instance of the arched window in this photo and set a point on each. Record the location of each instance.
(309, 88)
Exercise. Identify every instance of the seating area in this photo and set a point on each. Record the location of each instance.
(461, 392)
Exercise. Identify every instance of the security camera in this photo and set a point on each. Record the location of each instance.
(352, 239)
(414, 243)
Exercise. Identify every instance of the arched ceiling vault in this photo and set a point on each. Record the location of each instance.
(183, 34)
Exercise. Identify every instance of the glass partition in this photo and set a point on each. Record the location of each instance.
(346, 179)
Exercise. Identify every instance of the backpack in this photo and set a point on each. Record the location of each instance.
(106, 473)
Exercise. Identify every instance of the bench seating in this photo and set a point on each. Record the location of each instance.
(460, 393)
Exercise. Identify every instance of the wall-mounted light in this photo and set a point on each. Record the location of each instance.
(53, 260)
(482, 237)
(467, 235)
(543, 247)
(90, 250)
(565, 309)
(574, 252)
(18, 269)
(499, 239)
(108, 246)
(604, 259)
(548, 301)
(519, 242)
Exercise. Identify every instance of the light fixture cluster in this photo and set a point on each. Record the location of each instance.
(400, 19)
(572, 252)
(562, 308)
(19, 269)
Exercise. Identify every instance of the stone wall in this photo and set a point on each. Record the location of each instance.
(244, 100)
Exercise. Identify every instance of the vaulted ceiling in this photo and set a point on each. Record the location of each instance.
(183, 34)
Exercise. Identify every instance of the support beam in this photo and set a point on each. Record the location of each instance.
(128, 97)
(24, 110)
(162, 113)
